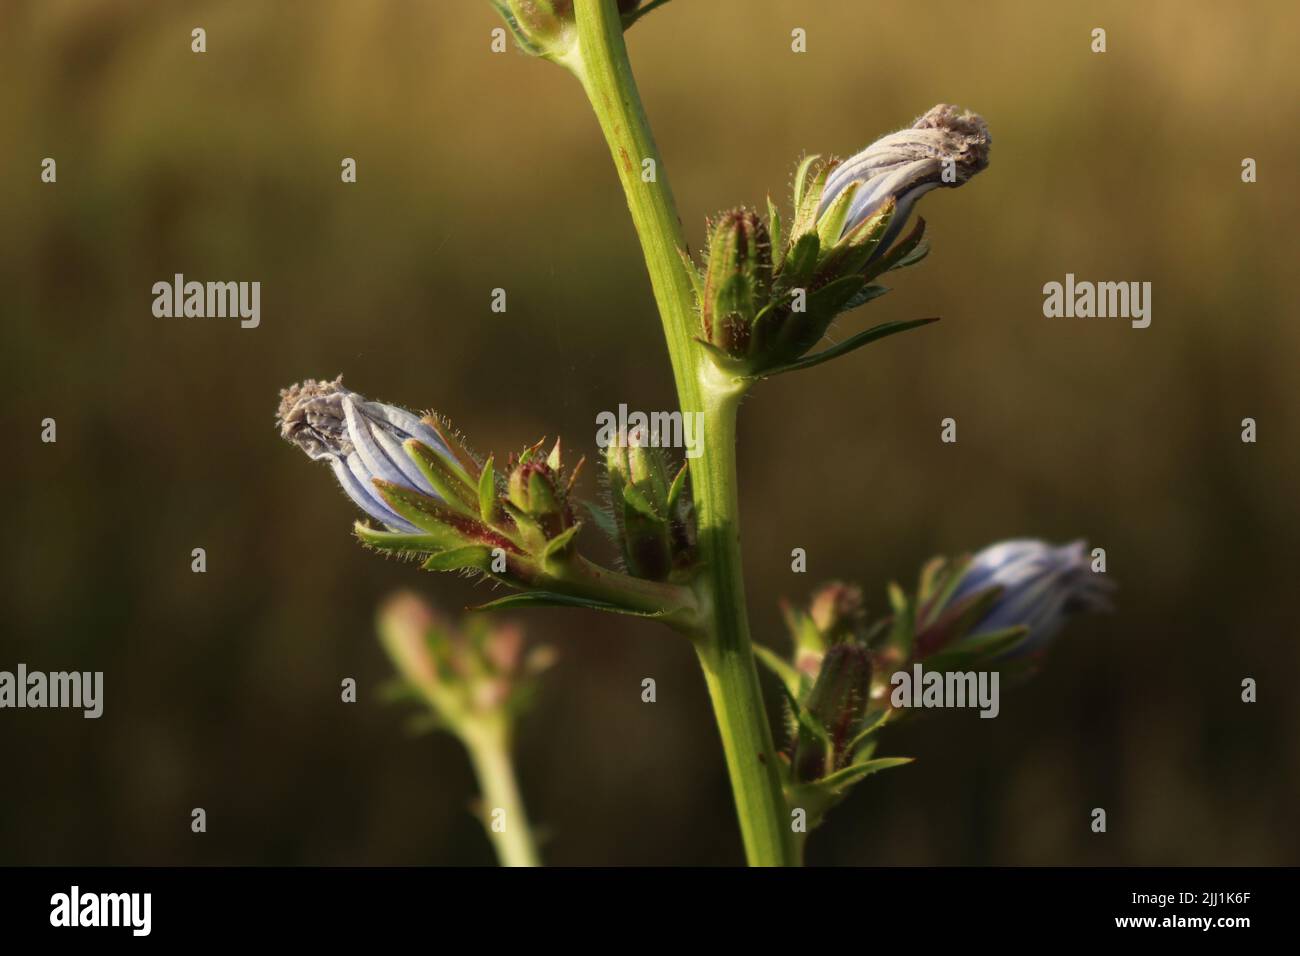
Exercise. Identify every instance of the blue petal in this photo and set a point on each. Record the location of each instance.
(394, 450)
(373, 457)
(365, 497)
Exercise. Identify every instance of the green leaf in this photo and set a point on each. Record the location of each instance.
(735, 296)
(912, 258)
(557, 546)
(675, 490)
(905, 252)
(801, 178)
(554, 599)
(830, 299)
(842, 779)
(637, 14)
(693, 271)
(812, 183)
(774, 228)
(476, 557)
(976, 648)
(861, 242)
(635, 499)
(487, 493)
(447, 483)
(427, 514)
(407, 543)
(602, 518)
(779, 666)
(876, 724)
(941, 587)
(848, 345)
(903, 632)
(724, 360)
(800, 261)
(831, 223)
(948, 623)
(865, 295)
(807, 721)
(932, 574)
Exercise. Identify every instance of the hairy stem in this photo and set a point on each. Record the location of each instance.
(724, 648)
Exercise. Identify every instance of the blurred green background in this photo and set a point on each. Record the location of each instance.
(479, 170)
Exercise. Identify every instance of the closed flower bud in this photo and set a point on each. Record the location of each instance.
(362, 441)
(944, 147)
(838, 701)
(537, 492)
(837, 610)
(738, 282)
(478, 670)
(651, 507)
(411, 474)
(405, 624)
(769, 294)
(1041, 587)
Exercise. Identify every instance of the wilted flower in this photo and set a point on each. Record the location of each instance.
(1041, 586)
(361, 440)
(769, 294)
(944, 147)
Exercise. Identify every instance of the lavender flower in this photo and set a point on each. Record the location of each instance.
(361, 440)
(907, 164)
(1042, 586)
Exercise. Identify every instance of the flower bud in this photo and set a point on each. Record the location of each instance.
(838, 701)
(536, 491)
(651, 510)
(738, 282)
(405, 624)
(837, 610)
(362, 441)
(1041, 586)
(943, 147)
(465, 673)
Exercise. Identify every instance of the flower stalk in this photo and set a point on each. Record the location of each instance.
(474, 679)
(723, 644)
(489, 753)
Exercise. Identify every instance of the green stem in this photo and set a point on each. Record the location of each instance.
(489, 751)
(674, 604)
(724, 647)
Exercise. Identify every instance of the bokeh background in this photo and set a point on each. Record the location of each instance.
(479, 170)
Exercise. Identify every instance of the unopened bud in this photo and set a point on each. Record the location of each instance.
(837, 610)
(738, 282)
(838, 700)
